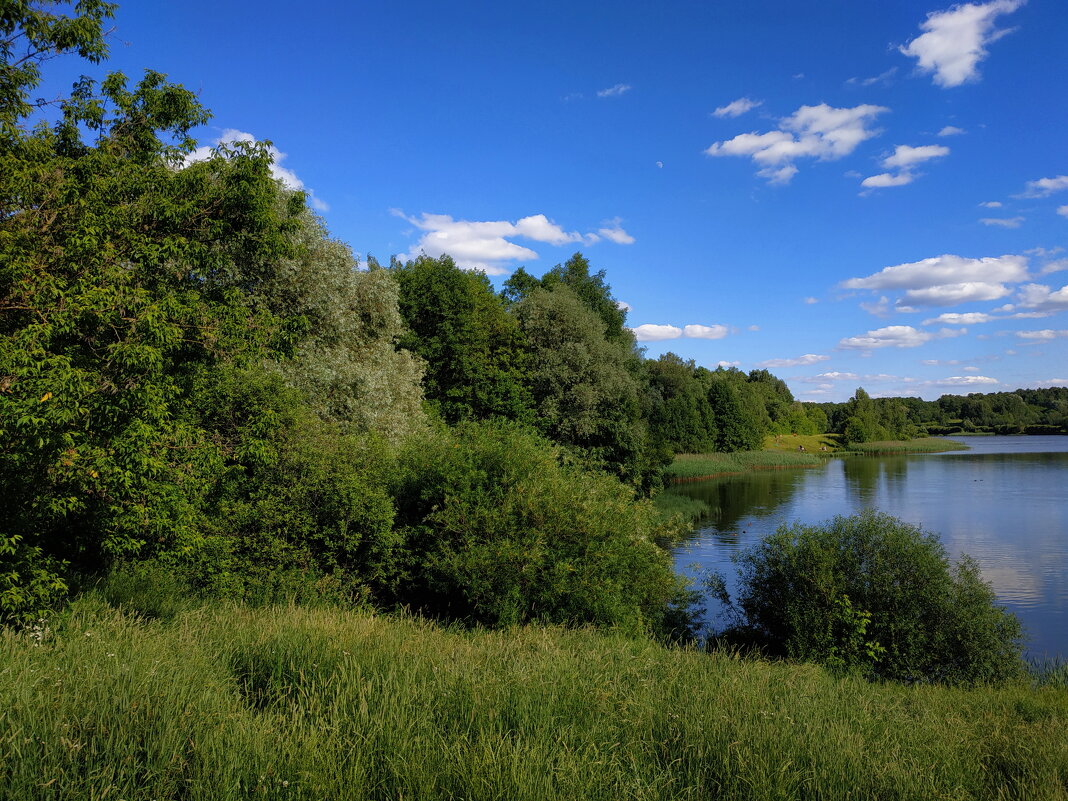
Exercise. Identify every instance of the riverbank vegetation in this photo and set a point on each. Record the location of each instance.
(230, 702)
(918, 445)
(697, 466)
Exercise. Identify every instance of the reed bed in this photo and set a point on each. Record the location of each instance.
(696, 466)
(296, 703)
(919, 445)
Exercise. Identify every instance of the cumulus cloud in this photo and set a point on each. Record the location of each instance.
(991, 204)
(904, 159)
(1045, 335)
(615, 91)
(967, 318)
(834, 375)
(954, 294)
(289, 179)
(1002, 222)
(946, 280)
(951, 130)
(821, 132)
(486, 245)
(651, 332)
(808, 358)
(906, 156)
(705, 331)
(1044, 187)
(885, 179)
(727, 364)
(1063, 211)
(954, 41)
(613, 231)
(656, 333)
(963, 381)
(1041, 298)
(737, 108)
(892, 336)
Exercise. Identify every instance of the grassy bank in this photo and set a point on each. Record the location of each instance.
(291, 703)
(694, 466)
(919, 445)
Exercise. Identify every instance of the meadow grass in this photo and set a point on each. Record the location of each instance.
(695, 466)
(918, 445)
(295, 703)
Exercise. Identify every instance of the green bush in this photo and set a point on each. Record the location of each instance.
(873, 594)
(500, 528)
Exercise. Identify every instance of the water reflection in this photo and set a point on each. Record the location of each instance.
(1007, 509)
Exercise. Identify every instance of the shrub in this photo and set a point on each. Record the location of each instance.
(501, 528)
(873, 594)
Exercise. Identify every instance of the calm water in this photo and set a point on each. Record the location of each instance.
(1005, 502)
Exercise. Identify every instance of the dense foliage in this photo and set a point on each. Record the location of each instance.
(874, 594)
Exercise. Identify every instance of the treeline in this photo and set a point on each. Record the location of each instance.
(1024, 411)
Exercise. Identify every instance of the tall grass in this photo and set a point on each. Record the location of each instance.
(295, 703)
(704, 465)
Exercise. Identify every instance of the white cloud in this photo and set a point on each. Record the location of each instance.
(705, 331)
(1054, 267)
(835, 375)
(953, 294)
(893, 336)
(963, 380)
(936, 362)
(615, 233)
(727, 364)
(539, 228)
(656, 333)
(904, 159)
(951, 130)
(821, 132)
(752, 328)
(883, 77)
(615, 91)
(486, 245)
(885, 179)
(945, 269)
(1044, 335)
(623, 305)
(954, 41)
(737, 108)
(906, 156)
(971, 369)
(992, 204)
(1041, 298)
(967, 318)
(808, 358)
(289, 179)
(1063, 211)
(1002, 222)
(1044, 187)
(811, 301)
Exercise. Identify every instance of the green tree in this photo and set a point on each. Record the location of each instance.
(584, 392)
(473, 348)
(736, 427)
(347, 362)
(680, 417)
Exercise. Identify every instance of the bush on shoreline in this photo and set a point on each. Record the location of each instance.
(875, 595)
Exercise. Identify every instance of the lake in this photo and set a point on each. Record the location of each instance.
(1005, 502)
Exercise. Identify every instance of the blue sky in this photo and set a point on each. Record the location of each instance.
(848, 193)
